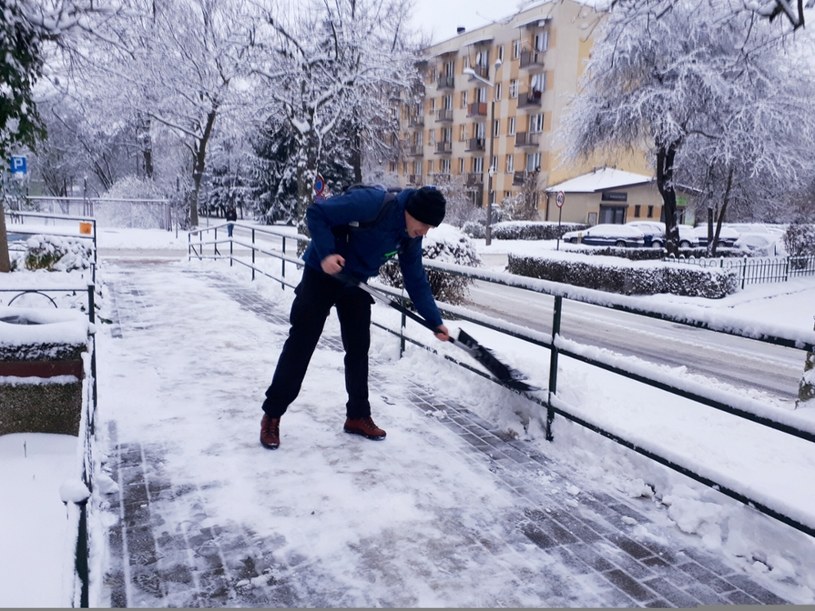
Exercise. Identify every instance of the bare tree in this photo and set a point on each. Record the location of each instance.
(26, 29)
(662, 84)
(330, 62)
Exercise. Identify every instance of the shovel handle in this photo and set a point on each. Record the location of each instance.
(351, 281)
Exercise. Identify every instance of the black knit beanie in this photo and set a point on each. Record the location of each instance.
(427, 205)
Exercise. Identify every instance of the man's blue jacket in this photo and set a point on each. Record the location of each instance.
(369, 247)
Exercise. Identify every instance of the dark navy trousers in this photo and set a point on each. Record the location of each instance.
(314, 297)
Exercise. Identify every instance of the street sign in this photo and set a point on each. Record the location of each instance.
(18, 164)
(319, 185)
(561, 197)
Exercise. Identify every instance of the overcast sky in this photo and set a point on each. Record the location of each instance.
(441, 18)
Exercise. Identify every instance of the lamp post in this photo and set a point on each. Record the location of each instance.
(490, 170)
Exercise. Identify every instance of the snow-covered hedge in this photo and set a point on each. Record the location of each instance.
(533, 230)
(56, 253)
(628, 278)
(799, 239)
(522, 230)
(449, 245)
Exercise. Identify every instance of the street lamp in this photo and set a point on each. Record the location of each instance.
(490, 170)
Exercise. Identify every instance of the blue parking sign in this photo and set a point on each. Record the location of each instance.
(18, 164)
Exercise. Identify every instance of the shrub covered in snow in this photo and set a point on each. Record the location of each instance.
(446, 244)
(521, 230)
(628, 278)
(57, 253)
(532, 230)
(799, 239)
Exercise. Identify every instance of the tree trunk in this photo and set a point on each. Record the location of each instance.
(666, 155)
(199, 165)
(720, 216)
(146, 144)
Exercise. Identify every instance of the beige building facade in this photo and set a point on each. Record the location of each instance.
(493, 98)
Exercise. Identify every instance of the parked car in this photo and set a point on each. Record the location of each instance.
(761, 244)
(727, 236)
(606, 234)
(655, 234)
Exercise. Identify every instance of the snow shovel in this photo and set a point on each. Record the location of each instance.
(503, 373)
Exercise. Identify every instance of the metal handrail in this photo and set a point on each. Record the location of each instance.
(560, 346)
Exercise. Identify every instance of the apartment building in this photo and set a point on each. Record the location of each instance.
(493, 98)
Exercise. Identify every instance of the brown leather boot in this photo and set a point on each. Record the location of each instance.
(365, 427)
(270, 432)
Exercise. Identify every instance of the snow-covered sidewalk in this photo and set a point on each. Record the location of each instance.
(449, 511)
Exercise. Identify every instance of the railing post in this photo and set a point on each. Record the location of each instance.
(253, 254)
(189, 246)
(806, 388)
(553, 358)
(283, 262)
(92, 320)
(402, 335)
(230, 253)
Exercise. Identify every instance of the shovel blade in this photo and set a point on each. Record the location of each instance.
(502, 372)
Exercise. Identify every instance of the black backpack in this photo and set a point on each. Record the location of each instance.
(343, 232)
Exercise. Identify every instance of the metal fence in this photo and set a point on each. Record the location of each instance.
(79, 513)
(757, 270)
(253, 248)
(136, 213)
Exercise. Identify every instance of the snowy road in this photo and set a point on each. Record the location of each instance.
(734, 360)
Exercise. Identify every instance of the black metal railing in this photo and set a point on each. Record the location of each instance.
(553, 403)
(86, 430)
(757, 270)
(85, 230)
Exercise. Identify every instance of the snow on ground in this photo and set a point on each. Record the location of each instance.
(34, 466)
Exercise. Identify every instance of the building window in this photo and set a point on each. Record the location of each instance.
(513, 89)
(464, 99)
(496, 128)
(510, 164)
(541, 41)
(461, 165)
(478, 165)
(498, 91)
(501, 52)
(516, 49)
(536, 123)
(445, 166)
(637, 211)
(650, 212)
(533, 162)
(511, 126)
(537, 84)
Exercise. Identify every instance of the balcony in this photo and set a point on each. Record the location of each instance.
(475, 179)
(416, 121)
(415, 179)
(416, 150)
(518, 178)
(440, 178)
(444, 115)
(532, 59)
(444, 148)
(446, 82)
(477, 109)
(530, 99)
(527, 139)
(475, 144)
(482, 71)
